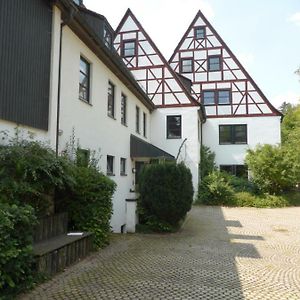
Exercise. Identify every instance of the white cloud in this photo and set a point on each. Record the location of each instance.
(295, 18)
(288, 96)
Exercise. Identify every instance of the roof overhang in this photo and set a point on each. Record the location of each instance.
(142, 149)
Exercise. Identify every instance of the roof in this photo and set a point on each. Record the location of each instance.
(142, 149)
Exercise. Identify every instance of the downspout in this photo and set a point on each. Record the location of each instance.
(64, 23)
(202, 121)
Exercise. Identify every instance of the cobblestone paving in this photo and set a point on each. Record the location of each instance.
(220, 253)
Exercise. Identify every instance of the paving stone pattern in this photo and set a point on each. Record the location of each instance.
(220, 253)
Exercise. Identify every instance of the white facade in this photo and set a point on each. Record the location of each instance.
(190, 150)
(93, 128)
(260, 130)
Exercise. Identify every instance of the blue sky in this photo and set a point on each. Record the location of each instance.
(263, 34)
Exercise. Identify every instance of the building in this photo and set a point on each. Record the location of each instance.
(72, 85)
(239, 116)
(113, 93)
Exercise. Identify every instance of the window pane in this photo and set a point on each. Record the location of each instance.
(83, 66)
(137, 119)
(107, 38)
(240, 134)
(227, 168)
(144, 124)
(214, 64)
(123, 166)
(173, 127)
(200, 32)
(186, 65)
(129, 48)
(208, 97)
(110, 165)
(241, 171)
(111, 100)
(123, 109)
(225, 134)
(224, 97)
(84, 79)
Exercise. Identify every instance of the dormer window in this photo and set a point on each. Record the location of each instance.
(186, 65)
(199, 32)
(129, 48)
(107, 38)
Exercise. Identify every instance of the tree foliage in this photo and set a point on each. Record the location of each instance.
(277, 168)
(16, 257)
(207, 161)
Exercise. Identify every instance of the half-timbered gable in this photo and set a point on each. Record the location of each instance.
(219, 80)
(148, 65)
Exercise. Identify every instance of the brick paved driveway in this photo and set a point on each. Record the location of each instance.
(220, 253)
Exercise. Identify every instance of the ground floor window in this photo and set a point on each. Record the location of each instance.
(236, 170)
(110, 165)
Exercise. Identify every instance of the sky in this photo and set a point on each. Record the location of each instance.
(263, 34)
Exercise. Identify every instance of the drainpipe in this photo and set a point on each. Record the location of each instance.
(62, 25)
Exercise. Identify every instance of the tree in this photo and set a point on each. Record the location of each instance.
(207, 161)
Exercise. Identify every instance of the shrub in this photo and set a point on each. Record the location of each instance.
(30, 172)
(242, 184)
(89, 203)
(215, 189)
(166, 193)
(266, 200)
(16, 259)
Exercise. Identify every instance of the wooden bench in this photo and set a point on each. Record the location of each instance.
(54, 248)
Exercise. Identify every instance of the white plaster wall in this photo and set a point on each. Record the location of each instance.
(190, 152)
(94, 129)
(260, 130)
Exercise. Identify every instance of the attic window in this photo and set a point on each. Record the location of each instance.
(199, 32)
(129, 48)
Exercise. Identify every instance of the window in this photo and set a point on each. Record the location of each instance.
(123, 109)
(199, 32)
(224, 97)
(214, 63)
(111, 100)
(129, 48)
(174, 127)
(107, 38)
(208, 97)
(123, 166)
(221, 97)
(110, 165)
(84, 80)
(186, 65)
(233, 134)
(236, 170)
(82, 157)
(137, 119)
(144, 124)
